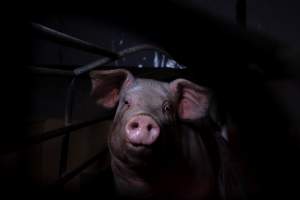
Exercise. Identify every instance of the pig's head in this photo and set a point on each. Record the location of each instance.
(147, 111)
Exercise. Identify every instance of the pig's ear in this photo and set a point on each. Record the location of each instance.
(107, 85)
(193, 100)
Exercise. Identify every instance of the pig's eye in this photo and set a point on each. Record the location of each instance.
(166, 107)
(126, 102)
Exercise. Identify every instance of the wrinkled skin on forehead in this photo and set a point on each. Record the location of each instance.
(177, 163)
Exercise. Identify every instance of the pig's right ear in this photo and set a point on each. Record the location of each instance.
(107, 85)
(193, 100)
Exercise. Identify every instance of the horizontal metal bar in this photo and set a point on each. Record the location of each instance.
(123, 53)
(49, 71)
(64, 130)
(68, 176)
(146, 72)
(73, 42)
(53, 134)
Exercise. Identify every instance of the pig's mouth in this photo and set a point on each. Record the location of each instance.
(139, 149)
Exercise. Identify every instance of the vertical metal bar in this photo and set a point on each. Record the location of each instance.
(68, 176)
(68, 120)
(241, 13)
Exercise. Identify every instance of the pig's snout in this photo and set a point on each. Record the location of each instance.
(142, 130)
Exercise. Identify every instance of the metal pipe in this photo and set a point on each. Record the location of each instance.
(50, 71)
(70, 101)
(42, 137)
(146, 72)
(68, 176)
(125, 52)
(64, 130)
(241, 13)
(68, 120)
(73, 42)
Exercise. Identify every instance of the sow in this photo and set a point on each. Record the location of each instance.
(163, 141)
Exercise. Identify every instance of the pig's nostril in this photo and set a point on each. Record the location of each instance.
(149, 127)
(134, 125)
(142, 130)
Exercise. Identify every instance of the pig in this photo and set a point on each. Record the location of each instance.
(163, 142)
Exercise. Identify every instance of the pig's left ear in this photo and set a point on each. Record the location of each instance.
(107, 85)
(193, 100)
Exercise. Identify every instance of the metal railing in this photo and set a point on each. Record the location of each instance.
(79, 72)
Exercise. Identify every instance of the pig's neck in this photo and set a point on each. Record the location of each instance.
(128, 182)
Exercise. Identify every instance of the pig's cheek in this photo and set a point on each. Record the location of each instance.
(118, 144)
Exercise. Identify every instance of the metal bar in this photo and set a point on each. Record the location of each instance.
(49, 71)
(144, 72)
(68, 120)
(68, 176)
(125, 52)
(241, 13)
(70, 101)
(62, 131)
(73, 42)
(39, 138)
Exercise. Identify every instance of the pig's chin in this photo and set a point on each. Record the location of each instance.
(136, 156)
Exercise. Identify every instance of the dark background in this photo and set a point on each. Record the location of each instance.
(247, 53)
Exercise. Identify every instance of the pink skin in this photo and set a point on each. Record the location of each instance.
(182, 169)
(142, 130)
